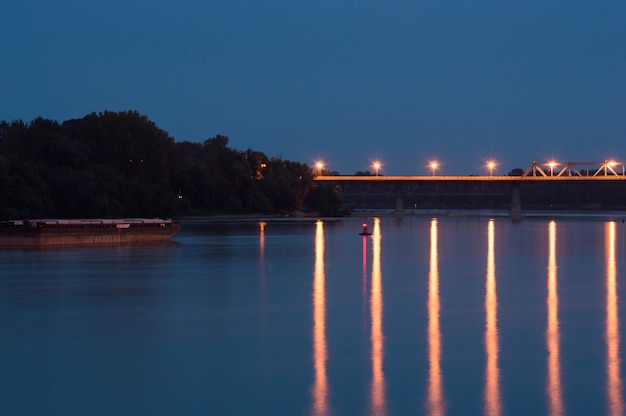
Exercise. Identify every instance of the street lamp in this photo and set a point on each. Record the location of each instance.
(319, 166)
(490, 165)
(434, 165)
(376, 166)
(610, 164)
(552, 164)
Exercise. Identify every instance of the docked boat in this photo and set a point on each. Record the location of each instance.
(68, 232)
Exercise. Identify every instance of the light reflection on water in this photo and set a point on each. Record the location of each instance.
(552, 332)
(436, 405)
(377, 395)
(442, 316)
(493, 405)
(320, 386)
(615, 398)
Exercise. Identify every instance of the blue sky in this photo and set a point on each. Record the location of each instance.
(347, 82)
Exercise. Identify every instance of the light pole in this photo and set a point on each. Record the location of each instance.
(552, 164)
(319, 166)
(491, 164)
(434, 165)
(610, 165)
(376, 166)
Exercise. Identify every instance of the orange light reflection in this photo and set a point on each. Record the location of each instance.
(364, 267)
(320, 354)
(262, 277)
(553, 345)
(493, 406)
(377, 396)
(615, 400)
(435, 405)
(364, 321)
(262, 239)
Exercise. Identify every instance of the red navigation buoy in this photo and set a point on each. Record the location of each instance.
(364, 231)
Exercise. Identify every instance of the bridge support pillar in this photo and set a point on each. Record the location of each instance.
(399, 205)
(516, 212)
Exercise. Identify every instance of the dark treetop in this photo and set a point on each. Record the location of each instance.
(115, 164)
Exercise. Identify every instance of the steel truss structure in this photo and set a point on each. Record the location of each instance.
(590, 169)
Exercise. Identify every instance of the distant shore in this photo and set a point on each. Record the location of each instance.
(310, 217)
(224, 218)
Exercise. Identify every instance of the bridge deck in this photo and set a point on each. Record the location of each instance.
(469, 178)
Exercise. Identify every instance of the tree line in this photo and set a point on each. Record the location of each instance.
(121, 164)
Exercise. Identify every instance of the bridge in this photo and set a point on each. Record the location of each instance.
(547, 185)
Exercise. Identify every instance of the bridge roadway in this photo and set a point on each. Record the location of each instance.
(482, 192)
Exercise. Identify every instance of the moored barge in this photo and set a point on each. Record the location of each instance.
(69, 232)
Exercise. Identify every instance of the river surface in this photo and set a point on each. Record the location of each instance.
(432, 316)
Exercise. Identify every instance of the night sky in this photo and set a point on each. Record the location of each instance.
(346, 82)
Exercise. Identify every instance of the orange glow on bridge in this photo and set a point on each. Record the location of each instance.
(549, 169)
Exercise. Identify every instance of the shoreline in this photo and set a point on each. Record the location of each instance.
(312, 217)
(243, 218)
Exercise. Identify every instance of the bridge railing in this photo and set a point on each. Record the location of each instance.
(591, 169)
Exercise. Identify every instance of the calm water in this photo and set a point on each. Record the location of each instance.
(445, 316)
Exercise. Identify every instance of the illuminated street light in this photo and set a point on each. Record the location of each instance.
(610, 164)
(376, 166)
(319, 165)
(491, 165)
(552, 164)
(434, 165)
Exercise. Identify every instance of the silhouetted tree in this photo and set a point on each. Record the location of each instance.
(325, 199)
(113, 164)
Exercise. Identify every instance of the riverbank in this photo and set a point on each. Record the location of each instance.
(224, 218)
(365, 213)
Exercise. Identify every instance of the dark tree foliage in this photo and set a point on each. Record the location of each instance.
(113, 164)
(325, 199)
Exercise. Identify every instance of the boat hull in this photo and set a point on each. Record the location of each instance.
(44, 233)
